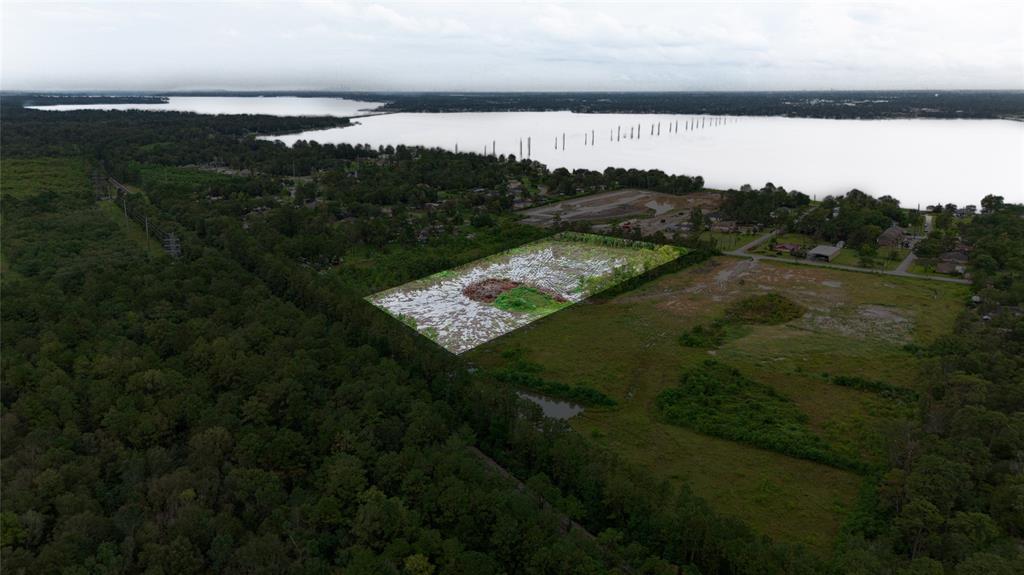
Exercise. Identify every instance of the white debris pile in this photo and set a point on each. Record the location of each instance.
(440, 310)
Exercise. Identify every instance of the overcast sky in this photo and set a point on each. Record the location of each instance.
(154, 45)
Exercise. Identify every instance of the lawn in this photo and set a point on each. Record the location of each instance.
(727, 242)
(798, 239)
(883, 260)
(628, 348)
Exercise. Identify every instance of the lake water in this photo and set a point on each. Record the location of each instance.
(272, 106)
(917, 161)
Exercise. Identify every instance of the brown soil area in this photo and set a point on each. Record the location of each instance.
(488, 290)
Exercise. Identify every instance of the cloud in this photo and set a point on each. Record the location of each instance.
(510, 46)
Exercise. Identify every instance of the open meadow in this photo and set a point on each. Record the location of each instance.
(838, 370)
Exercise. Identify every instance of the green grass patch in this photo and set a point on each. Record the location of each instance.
(525, 299)
(718, 400)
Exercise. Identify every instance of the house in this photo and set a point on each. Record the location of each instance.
(966, 211)
(955, 257)
(824, 253)
(727, 226)
(892, 237)
(950, 268)
(786, 248)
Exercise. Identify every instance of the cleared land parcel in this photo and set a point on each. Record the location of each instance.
(462, 308)
(829, 376)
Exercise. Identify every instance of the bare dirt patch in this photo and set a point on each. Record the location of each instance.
(647, 210)
(488, 290)
(830, 303)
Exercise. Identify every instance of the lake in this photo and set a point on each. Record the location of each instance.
(917, 161)
(271, 106)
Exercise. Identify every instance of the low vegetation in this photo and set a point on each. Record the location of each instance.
(526, 375)
(875, 386)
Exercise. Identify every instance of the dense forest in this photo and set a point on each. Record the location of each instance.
(242, 409)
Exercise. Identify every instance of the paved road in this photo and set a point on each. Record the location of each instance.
(900, 271)
(906, 263)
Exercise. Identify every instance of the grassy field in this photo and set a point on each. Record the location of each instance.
(855, 325)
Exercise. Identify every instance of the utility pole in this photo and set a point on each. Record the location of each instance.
(528, 147)
(563, 141)
(146, 220)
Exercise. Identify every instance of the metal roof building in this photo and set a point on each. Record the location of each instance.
(823, 252)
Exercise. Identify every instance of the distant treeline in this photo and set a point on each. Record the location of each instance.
(814, 104)
(77, 99)
(875, 104)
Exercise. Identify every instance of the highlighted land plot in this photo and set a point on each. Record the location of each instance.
(464, 307)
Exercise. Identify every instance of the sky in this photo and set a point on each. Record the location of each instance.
(521, 46)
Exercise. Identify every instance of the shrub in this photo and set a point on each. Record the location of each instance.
(880, 387)
(718, 400)
(705, 336)
(770, 309)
